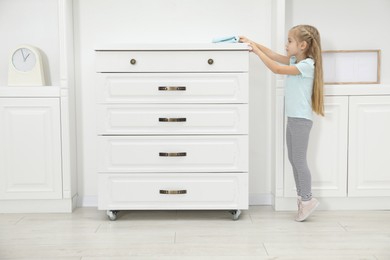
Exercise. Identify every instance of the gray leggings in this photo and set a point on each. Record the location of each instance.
(297, 138)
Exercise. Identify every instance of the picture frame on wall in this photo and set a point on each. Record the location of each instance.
(351, 66)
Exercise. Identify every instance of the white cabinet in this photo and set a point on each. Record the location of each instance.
(37, 160)
(327, 152)
(348, 155)
(173, 127)
(369, 146)
(30, 149)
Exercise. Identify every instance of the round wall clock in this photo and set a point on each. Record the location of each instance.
(25, 67)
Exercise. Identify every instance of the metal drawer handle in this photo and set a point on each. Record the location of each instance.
(172, 88)
(179, 119)
(173, 191)
(133, 61)
(210, 61)
(182, 154)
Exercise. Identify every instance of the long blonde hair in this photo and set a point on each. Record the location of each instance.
(311, 36)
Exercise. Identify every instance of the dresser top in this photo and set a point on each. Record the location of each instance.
(172, 47)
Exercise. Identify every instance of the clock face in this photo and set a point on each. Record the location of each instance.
(24, 59)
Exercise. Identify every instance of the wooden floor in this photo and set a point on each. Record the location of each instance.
(260, 233)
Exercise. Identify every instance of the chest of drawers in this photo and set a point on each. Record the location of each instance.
(172, 127)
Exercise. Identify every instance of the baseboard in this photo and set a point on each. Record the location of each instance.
(87, 202)
(257, 199)
(38, 206)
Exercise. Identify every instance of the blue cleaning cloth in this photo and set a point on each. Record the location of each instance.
(230, 39)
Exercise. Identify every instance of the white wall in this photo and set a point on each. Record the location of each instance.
(155, 21)
(347, 25)
(33, 22)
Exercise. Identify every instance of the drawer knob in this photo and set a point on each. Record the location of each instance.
(182, 154)
(210, 61)
(173, 191)
(179, 119)
(133, 61)
(172, 88)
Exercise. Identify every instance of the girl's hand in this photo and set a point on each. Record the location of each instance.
(252, 45)
(244, 39)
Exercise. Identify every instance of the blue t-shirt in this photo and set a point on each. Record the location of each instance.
(299, 88)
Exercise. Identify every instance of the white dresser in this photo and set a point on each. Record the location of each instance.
(172, 127)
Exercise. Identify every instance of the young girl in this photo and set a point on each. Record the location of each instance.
(303, 94)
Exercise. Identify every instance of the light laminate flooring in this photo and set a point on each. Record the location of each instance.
(260, 233)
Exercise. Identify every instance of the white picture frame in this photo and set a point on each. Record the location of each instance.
(351, 66)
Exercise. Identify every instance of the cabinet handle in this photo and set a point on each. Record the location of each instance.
(173, 191)
(133, 61)
(182, 154)
(172, 88)
(179, 119)
(210, 61)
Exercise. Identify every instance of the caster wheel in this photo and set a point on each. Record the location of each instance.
(112, 214)
(236, 214)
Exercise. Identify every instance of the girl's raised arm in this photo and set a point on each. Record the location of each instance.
(271, 54)
(271, 64)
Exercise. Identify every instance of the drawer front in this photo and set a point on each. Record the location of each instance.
(173, 153)
(173, 119)
(172, 88)
(173, 191)
(171, 61)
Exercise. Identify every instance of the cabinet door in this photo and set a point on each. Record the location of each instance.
(369, 143)
(327, 152)
(30, 148)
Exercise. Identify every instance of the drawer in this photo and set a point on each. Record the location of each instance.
(173, 191)
(172, 87)
(173, 119)
(173, 153)
(172, 61)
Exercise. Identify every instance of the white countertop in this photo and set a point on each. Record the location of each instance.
(351, 90)
(357, 89)
(30, 91)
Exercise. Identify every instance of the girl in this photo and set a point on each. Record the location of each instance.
(303, 94)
